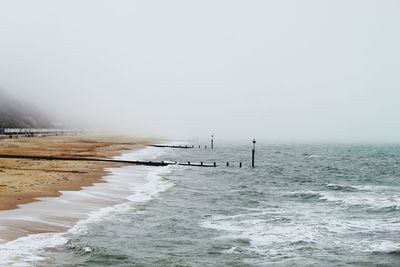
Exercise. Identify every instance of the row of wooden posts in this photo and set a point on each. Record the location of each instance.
(253, 152)
(212, 147)
(214, 164)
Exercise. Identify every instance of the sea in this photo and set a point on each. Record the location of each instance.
(301, 205)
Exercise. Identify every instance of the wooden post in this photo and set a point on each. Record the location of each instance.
(253, 153)
(227, 164)
(212, 141)
(199, 146)
(201, 163)
(188, 162)
(205, 146)
(240, 164)
(215, 164)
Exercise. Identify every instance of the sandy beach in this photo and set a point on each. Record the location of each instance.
(22, 180)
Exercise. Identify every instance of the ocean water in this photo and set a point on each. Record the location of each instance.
(303, 205)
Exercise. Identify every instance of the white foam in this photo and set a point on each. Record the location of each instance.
(260, 229)
(323, 157)
(153, 186)
(372, 199)
(26, 250)
(341, 187)
(385, 246)
(376, 197)
(374, 188)
(266, 232)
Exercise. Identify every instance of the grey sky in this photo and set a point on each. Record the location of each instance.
(274, 70)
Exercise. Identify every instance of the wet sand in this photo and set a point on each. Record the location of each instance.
(22, 180)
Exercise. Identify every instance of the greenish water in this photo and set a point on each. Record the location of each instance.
(303, 205)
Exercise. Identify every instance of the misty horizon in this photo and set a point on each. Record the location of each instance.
(287, 71)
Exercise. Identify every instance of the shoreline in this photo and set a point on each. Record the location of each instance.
(23, 181)
(28, 234)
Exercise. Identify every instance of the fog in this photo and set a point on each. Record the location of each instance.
(279, 71)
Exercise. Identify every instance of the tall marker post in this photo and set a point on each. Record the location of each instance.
(212, 141)
(253, 153)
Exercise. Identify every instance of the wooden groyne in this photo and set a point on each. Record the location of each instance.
(172, 146)
(133, 162)
(201, 164)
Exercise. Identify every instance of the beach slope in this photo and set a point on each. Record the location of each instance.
(23, 180)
